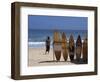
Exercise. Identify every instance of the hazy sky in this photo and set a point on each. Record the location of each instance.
(57, 22)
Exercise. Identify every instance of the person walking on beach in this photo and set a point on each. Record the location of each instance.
(47, 45)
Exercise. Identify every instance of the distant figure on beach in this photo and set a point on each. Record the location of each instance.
(47, 45)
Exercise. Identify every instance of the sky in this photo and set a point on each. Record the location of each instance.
(57, 22)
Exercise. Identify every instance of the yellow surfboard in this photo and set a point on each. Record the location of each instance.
(64, 47)
(57, 45)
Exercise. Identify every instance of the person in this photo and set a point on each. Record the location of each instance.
(47, 44)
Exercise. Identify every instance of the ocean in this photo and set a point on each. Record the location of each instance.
(37, 37)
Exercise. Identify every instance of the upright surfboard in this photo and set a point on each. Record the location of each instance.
(71, 48)
(64, 47)
(57, 45)
(85, 50)
(78, 48)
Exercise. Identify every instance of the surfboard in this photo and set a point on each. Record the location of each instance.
(71, 48)
(78, 48)
(57, 45)
(85, 50)
(64, 47)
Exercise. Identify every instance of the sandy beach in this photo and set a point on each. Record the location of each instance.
(37, 57)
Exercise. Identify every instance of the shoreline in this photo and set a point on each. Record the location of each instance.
(42, 44)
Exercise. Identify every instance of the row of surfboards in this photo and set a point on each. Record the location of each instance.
(75, 51)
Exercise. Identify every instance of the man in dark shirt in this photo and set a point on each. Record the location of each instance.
(47, 44)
